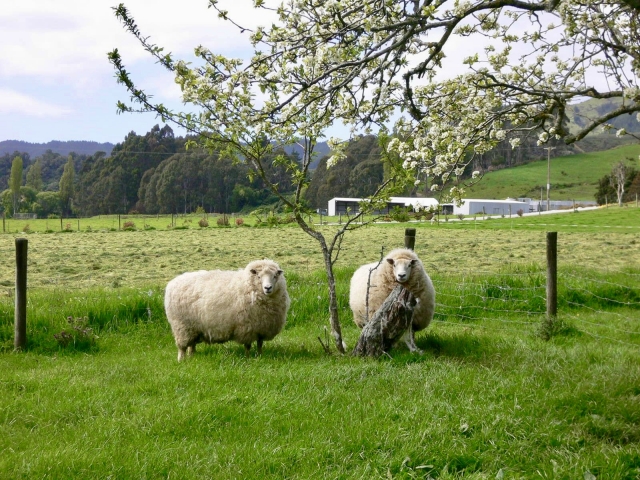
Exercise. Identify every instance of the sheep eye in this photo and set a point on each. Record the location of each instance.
(253, 270)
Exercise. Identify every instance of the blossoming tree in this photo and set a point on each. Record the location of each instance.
(396, 64)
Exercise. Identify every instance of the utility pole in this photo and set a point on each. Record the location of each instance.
(548, 149)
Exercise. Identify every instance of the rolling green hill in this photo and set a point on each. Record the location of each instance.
(573, 177)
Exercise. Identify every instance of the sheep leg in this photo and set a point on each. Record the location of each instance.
(181, 353)
(191, 349)
(409, 339)
(247, 347)
(260, 345)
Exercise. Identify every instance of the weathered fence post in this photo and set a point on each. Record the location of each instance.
(61, 222)
(20, 339)
(388, 324)
(552, 284)
(552, 274)
(409, 238)
(119, 222)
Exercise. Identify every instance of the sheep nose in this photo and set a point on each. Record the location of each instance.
(401, 277)
(268, 288)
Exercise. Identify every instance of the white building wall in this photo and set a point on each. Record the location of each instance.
(490, 207)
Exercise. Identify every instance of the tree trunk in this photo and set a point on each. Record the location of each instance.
(336, 331)
(334, 320)
(388, 324)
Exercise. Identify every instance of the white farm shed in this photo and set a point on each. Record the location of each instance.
(471, 206)
(339, 205)
(417, 203)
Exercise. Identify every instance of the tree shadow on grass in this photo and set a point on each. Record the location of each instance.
(463, 346)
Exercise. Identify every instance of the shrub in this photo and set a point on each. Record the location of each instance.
(199, 211)
(239, 222)
(399, 214)
(26, 228)
(67, 227)
(203, 222)
(129, 226)
(79, 335)
(520, 212)
(273, 220)
(460, 216)
(223, 221)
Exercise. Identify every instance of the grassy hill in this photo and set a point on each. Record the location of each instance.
(573, 177)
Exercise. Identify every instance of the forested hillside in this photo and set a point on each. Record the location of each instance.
(148, 174)
(153, 173)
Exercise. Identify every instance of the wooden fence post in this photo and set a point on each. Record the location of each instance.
(20, 339)
(409, 238)
(552, 277)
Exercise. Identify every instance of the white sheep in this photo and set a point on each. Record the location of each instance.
(218, 306)
(399, 266)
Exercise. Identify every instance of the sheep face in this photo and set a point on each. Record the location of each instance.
(268, 279)
(402, 268)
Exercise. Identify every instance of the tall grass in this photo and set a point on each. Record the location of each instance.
(487, 399)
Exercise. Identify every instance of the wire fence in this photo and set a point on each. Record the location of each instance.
(495, 294)
(603, 308)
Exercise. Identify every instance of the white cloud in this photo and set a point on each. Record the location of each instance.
(70, 39)
(15, 103)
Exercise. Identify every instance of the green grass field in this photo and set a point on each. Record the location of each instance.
(487, 399)
(573, 177)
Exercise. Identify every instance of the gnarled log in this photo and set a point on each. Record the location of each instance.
(388, 324)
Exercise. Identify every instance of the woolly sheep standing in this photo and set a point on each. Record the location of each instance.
(218, 306)
(399, 266)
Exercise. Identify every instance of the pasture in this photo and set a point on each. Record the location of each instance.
(573, 177)
(487, 399)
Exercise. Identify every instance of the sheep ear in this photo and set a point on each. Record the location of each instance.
(280, 272)
(253, 270)
(413, 262)
(390, 260)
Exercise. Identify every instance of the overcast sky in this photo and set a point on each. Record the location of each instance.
(56, 82)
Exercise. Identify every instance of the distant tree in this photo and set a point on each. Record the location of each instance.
(618, 178)
(34, 175)
(15, 182)
(47, 203)
(115, 197)
(357, 175)
(67, 186)
(621, 183)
